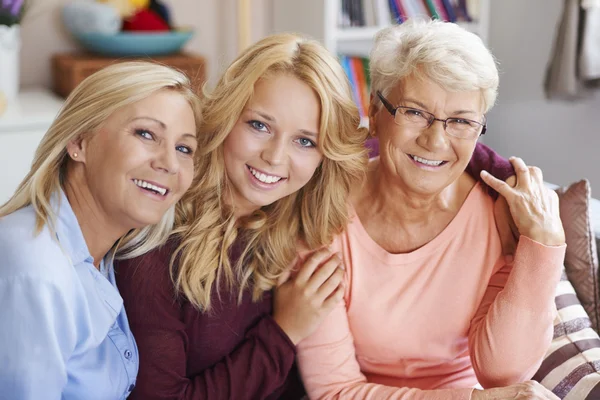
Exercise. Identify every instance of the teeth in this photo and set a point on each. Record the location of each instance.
(426, 162)
(146, 185)
(264, 178)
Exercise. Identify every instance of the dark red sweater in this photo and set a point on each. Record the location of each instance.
(235, 351)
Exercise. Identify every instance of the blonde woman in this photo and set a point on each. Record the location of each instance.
(279, 153)
(103, 183)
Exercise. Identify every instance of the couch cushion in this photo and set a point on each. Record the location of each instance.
(571, 367)
(581, 260)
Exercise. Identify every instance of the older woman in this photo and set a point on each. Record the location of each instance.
(103, 183)
(432, 307)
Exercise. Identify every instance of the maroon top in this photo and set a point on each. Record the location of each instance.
(233, 352)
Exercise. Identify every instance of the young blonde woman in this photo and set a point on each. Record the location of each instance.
(279, 153)
(103, 183)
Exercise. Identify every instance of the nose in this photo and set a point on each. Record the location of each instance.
(434, 138)
(166, 160)
(274, 151)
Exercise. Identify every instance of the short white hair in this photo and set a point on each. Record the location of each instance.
(443, 52)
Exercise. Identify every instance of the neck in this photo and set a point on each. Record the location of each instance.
(387, 199)
(99, 233)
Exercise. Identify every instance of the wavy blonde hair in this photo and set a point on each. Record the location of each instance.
(206, 227)
(83, 113)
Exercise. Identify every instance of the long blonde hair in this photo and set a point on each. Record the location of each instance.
(206, 228)
(83, 113)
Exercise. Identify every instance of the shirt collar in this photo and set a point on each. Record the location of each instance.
(68, 231)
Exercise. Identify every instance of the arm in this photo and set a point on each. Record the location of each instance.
(36, 339)
(500, 350)
(255, 369)
(513, 326)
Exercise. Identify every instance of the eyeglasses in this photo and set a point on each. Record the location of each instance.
(413, 118)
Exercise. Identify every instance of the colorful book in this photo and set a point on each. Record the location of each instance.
(433, 10)
(449, 10)
(439, 5)
(361, 85)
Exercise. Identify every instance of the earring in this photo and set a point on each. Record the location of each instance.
(75, 155)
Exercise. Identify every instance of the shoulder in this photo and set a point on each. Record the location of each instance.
(25, 253)
(148, 275)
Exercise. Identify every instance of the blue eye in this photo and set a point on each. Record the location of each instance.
(146, 134)
(257, 125)
(185, 150)
(304, 142)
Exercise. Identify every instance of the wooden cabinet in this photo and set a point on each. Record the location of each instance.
(69, 69)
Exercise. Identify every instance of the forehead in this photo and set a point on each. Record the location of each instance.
(433, 95)
(286, 96)
(162, 105)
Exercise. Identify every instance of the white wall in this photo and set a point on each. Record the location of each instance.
(560, 137)
(214, 21)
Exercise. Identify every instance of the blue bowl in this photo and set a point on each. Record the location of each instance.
(134, 43)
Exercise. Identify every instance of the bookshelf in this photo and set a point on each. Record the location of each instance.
(319, 19)
(324, 21)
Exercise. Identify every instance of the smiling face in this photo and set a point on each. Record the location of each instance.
(425, 161)
(271, 151)
(139, 163)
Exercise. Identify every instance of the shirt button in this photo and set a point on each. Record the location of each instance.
(127, 354)
(131, 387)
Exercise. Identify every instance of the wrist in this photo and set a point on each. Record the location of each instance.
(294, 338)
(554, 237)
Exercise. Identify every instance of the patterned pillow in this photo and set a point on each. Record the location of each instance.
(571, 367)
(581, 260)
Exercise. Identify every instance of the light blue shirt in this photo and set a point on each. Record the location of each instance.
(63, 329)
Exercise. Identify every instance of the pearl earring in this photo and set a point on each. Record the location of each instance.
(75, 155)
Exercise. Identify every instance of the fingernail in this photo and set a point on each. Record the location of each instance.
(484, 173)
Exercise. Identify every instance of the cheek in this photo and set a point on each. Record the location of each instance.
(464, 151)
(187, 175)
(305, 165)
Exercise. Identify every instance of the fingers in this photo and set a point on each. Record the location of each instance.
(316, 259)
(335, 298)
(521, 169)
(323, 273)
(536, 174)
(334, 281)
(499, 186)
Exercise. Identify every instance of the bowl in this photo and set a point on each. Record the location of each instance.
(125, 44)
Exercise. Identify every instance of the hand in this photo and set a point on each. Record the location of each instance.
(301, 303)
(529, 390)
(533, 207)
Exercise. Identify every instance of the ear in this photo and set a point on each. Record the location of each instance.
(372, 112)
(76, 149)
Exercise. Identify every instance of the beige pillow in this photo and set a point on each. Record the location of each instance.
(581, 260)
(571, 366)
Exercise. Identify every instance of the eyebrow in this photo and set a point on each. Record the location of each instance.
(164, 126)
(272, 119)
(458, 112)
